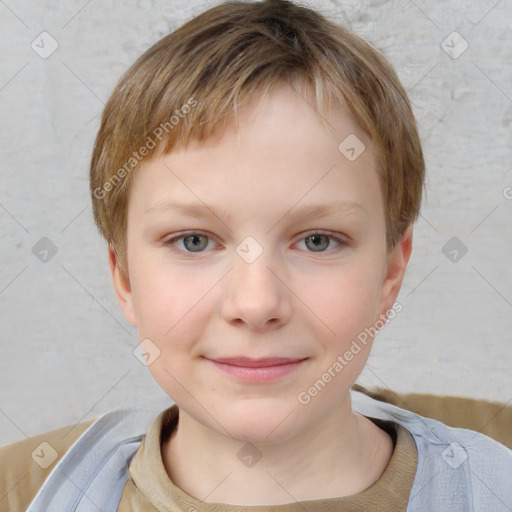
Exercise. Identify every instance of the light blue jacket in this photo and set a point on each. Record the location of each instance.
(458, 470)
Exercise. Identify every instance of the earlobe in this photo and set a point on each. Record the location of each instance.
(395, 271)
(122, 287)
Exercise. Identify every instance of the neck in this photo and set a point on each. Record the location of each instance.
(341, 455)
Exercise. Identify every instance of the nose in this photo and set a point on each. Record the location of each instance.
(256, 295)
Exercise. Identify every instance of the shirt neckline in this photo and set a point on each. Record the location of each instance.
(390, 492)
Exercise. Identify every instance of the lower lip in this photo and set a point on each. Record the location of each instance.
(258, 374)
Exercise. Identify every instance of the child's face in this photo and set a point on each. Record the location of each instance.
(301, 298)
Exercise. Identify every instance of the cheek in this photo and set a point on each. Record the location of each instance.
(346, 300)
(170, 305)
(169, 310)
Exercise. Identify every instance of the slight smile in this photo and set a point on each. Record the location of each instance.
(257, 370)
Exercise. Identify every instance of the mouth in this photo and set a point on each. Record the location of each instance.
(257, 370)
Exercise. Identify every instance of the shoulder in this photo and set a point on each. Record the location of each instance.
(94, 468)
(493, 419)
(25, 465)
(458, 469)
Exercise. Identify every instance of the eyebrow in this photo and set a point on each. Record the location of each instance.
(314, 210)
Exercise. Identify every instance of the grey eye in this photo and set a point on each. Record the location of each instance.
(318, 242)
(193, 242)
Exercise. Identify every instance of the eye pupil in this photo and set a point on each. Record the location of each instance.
(317, 241)
(195, 243)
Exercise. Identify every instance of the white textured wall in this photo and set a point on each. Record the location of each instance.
(66, 351)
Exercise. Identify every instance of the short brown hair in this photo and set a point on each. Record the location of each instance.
(194, 79)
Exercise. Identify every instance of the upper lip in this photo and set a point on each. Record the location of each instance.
(248, 362)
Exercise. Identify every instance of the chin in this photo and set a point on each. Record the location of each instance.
(262, 425)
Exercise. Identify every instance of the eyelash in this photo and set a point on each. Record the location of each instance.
(169, 242)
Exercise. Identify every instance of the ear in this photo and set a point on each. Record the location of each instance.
(122, 287)
(395, 270)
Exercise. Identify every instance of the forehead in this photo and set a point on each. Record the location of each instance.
(278, 152)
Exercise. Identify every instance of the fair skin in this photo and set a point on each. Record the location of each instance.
(300, 300)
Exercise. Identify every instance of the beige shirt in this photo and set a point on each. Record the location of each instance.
(149, 488)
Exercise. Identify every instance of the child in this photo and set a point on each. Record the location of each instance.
(256, 174)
